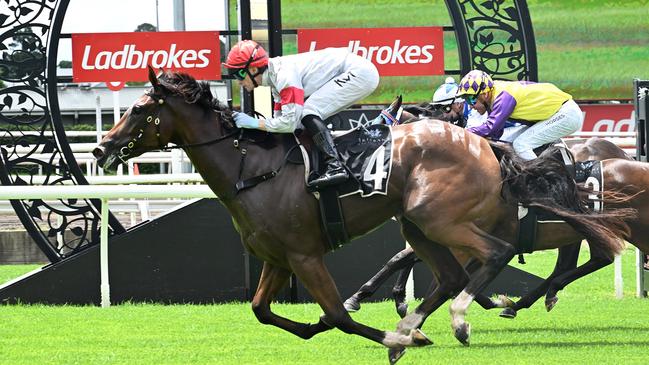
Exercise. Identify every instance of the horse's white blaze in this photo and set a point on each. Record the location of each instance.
(459, 307)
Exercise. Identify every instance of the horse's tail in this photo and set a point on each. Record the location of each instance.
(546, 183)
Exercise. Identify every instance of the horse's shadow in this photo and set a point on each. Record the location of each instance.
(563, 330)
(557, 344)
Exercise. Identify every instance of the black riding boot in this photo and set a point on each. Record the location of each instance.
(321, 135)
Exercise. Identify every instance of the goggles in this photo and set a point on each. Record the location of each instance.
(443, 108)
(471, 99)
(240, 74)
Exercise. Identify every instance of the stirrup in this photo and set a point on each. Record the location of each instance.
(329, 179)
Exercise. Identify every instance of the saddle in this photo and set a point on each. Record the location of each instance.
(366, 153)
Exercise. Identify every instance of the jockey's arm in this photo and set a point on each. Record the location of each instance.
(501, 110)
(288, 109)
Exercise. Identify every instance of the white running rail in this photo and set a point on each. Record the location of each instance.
(104, 193)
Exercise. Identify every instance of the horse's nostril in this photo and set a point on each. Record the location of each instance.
(98, 152)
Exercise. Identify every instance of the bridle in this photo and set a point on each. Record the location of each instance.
(127, 150)
(242, 184)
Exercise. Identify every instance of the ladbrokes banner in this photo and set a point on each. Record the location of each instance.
(414, 51)
(105, 57)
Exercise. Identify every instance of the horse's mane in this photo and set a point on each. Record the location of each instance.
(195, 92)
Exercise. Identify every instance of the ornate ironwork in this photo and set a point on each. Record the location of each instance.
(495, 36)
(32, 140)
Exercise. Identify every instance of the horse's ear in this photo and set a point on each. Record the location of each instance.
(153, 79)
(396, 104)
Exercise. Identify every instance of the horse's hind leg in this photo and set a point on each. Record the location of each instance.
(272, 280)
(451, 276)
(597, 261)
(313, 273)
(496, 253)
(399, 288)
(403, 260)
(566, 261)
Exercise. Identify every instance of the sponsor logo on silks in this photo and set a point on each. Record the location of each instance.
(132, 58)
(394, 54)
(343, 80)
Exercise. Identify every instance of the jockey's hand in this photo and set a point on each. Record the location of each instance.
(243, 120)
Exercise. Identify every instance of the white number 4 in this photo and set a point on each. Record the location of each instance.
(376, 163)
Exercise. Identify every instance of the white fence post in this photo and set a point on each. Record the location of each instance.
(103, 254)
(619, 283)
(639, 274)
(410, 284)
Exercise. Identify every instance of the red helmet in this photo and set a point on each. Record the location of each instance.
(246, 53)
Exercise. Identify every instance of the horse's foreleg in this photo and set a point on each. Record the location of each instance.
(566, 261)
(313, 273)
(272, 280)
(405, 259)
(597, 261)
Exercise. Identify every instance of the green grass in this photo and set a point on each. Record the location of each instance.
(591, 48)
(588, 326)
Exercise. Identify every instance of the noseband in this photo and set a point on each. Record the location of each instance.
(127, 150)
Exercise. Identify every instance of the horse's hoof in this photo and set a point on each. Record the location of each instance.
(505, 302)
(508, 313)
(352, 305)
(462, 333)
(402, 309)
(550, 303)
(395, 353)
(419, 338)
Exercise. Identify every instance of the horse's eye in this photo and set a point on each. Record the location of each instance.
(137, 109)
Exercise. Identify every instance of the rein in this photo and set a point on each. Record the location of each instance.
(126, 151)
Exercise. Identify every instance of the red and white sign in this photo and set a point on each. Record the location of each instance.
(608, 117)
(103, 57)
(414, 51)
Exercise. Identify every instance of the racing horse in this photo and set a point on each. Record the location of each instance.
(565, 271)
(430, 159)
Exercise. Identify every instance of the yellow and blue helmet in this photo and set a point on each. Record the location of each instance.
(475, 82)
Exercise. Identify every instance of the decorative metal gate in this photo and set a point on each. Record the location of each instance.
(493, 35)
(33, 140)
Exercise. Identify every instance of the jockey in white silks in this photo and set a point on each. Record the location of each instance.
(306, 87)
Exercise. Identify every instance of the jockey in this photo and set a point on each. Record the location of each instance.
(307, 88)
(552, 112)
(454, 109)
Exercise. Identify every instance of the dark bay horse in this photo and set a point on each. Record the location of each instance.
(278, 219)
(566, 271)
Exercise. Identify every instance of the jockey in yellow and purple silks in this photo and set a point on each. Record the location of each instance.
(552, 113)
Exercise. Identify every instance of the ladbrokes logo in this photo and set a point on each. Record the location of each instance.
(395, 54)
(131, 58)
(395, 51)
(125, 56)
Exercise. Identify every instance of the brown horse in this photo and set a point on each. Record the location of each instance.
(431, 160)
(566, 270)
